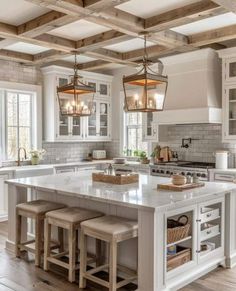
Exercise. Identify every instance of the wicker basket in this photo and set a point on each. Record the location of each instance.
(177, 230)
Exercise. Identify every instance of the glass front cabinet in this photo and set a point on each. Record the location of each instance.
(150, 127)
(93, 128)
(228, 94)
(194, 237)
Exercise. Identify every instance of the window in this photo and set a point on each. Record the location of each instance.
(17, 131)
(133, 132)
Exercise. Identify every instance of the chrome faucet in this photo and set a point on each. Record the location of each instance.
(19, 150)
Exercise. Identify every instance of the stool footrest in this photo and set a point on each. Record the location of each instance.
(61, 263)
(97, 269)
(125, 282)
(96, 280)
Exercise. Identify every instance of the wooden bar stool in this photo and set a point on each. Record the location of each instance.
(112, 230)
(70, 219)
(35, 210)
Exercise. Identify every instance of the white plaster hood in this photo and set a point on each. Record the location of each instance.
(194, 88)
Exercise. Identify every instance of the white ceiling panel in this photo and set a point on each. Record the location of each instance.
(129, 45)
(26, 48)
(149, 8)
(80, 59)
(207, 24)
(16, 12)
(79, 30)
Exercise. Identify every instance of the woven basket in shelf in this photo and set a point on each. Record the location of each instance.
(177, 230)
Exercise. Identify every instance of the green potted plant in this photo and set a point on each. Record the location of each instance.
(143, 158)
(36, 156)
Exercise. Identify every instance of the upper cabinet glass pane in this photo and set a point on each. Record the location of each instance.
(103, 89)
(232, 70)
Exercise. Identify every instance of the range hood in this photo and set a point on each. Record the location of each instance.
(194, 88)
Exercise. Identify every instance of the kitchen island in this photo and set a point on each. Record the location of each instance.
(208, 209)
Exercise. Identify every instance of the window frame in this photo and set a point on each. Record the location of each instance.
(126, 128)
(36, 114)
(32, 104)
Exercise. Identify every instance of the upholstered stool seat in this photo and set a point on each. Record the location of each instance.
(70, 219)
(35, 210)
(111, 229)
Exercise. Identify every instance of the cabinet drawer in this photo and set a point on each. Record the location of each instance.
(209, 214)
(210, 232)
(224, 177)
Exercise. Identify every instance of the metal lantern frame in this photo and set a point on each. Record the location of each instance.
(76, 88)
(145, 77)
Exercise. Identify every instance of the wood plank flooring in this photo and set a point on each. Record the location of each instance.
(21, 275)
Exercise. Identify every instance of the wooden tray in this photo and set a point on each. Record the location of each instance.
(119, 179)
(173, 187)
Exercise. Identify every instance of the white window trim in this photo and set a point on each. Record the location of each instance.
(36, 91)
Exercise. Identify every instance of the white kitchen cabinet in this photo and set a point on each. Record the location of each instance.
(207, 228)
(61, 128)
(150, 127)
(98, 125)
(3, 196)
(229, 94)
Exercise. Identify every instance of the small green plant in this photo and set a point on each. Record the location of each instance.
(143, 155)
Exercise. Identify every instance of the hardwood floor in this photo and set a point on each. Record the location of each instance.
(22, 275)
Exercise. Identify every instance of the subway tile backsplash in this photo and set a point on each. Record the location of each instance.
(207, 140)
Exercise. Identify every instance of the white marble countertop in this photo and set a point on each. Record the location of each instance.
(61, 165)
(140, 195)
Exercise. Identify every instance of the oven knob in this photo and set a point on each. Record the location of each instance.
(167, 172)
(203, 175)
(162, 172)
(198, 174)
(188, 174)
(157, 171)
(153, 171)
(171, 173)
(183, 173)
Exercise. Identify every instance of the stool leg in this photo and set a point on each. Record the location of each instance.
(47, 239)
(72, 251)
(113, 266)
(98, 252)
(38, 241)
(83, 259)
(61, 239)
(18, 235)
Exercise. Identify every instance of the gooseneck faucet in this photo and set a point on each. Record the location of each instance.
(19, 151)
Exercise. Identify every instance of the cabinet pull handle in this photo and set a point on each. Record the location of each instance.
(209, 232)
(209, 215)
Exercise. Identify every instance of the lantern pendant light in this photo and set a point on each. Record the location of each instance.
(76, 98)
(146, 90)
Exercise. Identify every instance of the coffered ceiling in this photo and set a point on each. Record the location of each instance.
(108, 33)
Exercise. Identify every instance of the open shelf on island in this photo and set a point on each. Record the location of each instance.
(179, 241)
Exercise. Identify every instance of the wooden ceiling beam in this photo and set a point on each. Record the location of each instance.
(49, 56)
(16, 56)
(230, 5)
(101, 40)
(93, 65)
(44, 23)
(183, 15)
(213, 36)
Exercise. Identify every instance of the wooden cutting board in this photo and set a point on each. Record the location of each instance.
(173, 187)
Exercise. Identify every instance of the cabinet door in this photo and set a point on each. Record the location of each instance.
(229, 113)
(104, 122)
(98, 125)
(180, 250)
(63, 121)
(210, 230)
(150, 127)
(230, 70)
(3, 197)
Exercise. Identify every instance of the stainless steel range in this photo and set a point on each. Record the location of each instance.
(183, 168)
